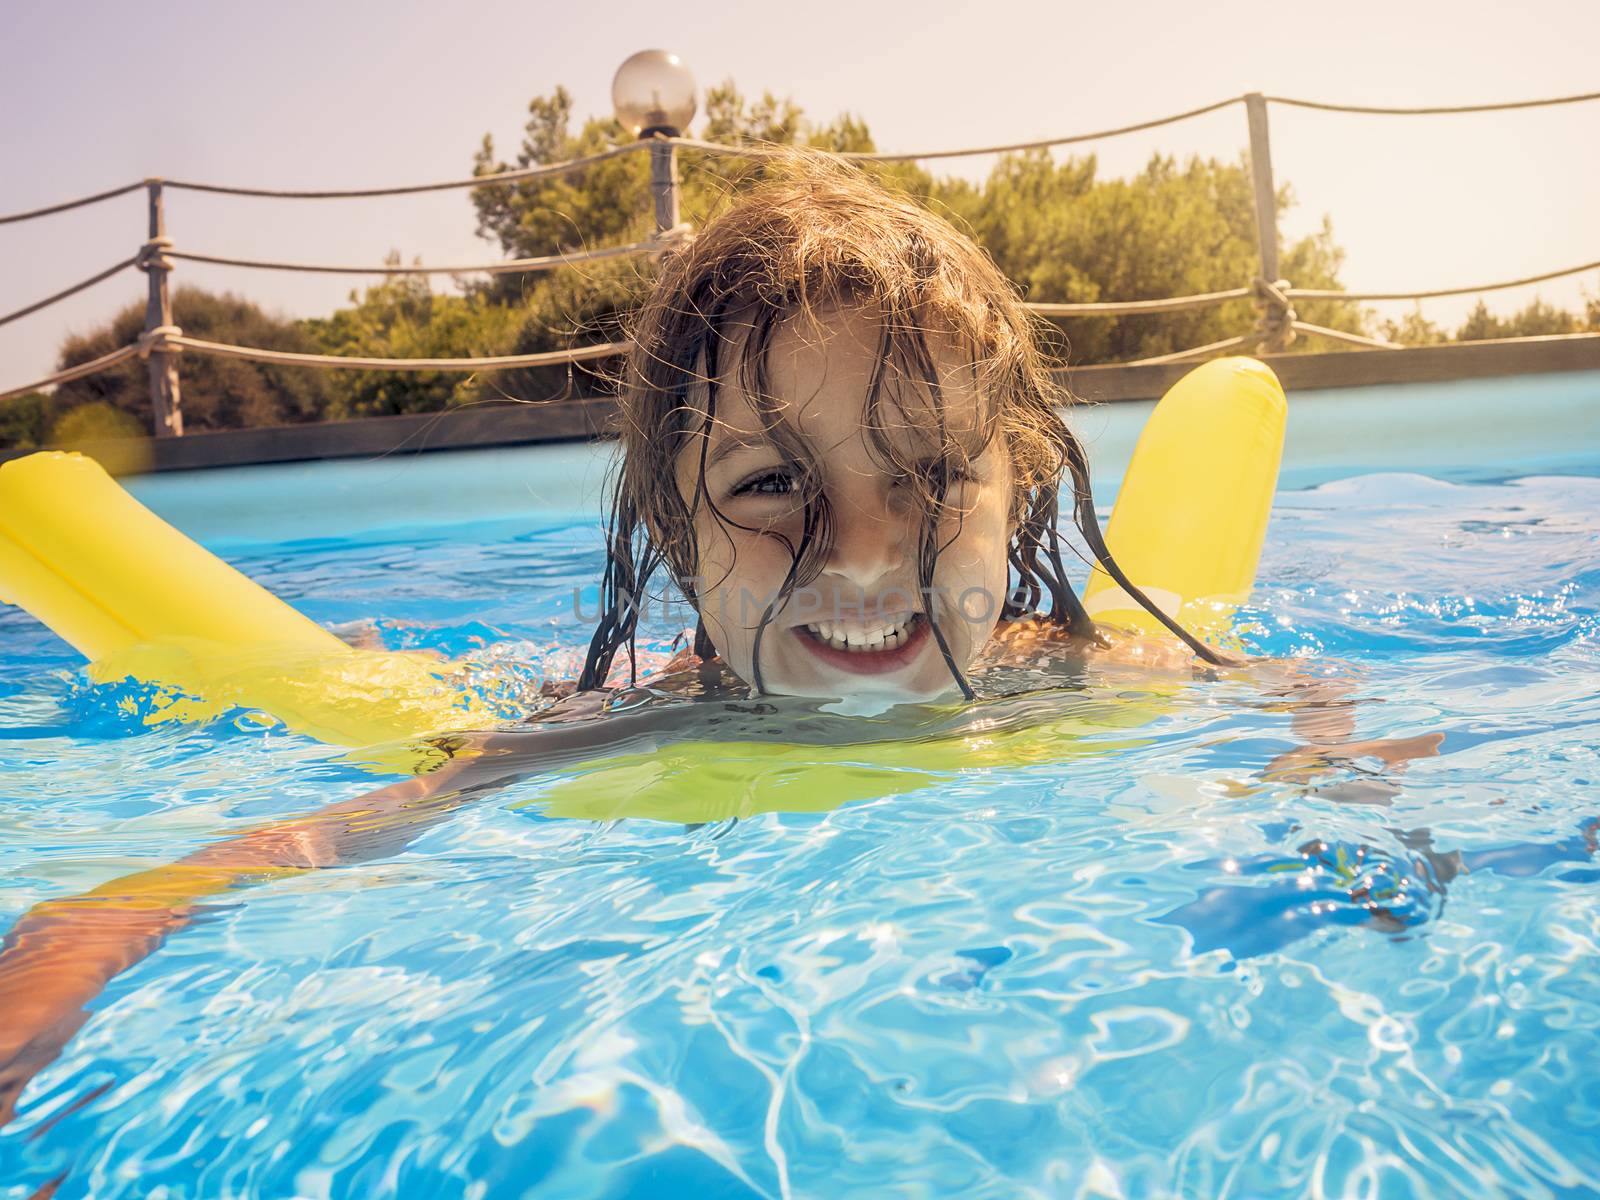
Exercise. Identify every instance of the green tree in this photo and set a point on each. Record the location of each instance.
(609, 202)
(402, 317)
(606, 204)
(25, 420)
(598, 206)
(217, 393)
(1413, 329)
(1069, 237)
(1536, 320)
(94, 422)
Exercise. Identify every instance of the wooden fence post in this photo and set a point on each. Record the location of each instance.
(165, 399)
(1276, 326)
(1255, 105)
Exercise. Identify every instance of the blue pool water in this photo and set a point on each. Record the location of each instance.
(1164, 963)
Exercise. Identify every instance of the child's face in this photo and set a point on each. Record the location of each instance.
(860, 627)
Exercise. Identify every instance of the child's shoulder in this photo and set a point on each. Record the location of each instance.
(1017, 641)
(687, 674)
(1037, 641)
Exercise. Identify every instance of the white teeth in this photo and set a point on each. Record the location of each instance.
(884, 637)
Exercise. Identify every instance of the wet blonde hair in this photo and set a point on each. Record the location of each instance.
(823, 235)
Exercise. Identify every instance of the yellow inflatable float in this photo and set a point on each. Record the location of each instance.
(1192, 513)
(142, 601)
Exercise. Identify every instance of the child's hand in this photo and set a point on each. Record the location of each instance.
(1322, 713)
(1304, 763)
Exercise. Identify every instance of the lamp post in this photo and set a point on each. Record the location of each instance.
(654, 96)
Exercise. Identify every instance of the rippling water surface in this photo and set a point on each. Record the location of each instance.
(1160, 955)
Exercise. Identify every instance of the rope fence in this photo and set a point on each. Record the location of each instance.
(68, 205)
(93, 367)
(1130, 308)
(176, 339)
(70, 291)
(525, 174)
(506, 266)
(1437, 111)
(162, 341)
(1315, 294)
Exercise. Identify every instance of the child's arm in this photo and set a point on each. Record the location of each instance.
(1321, 707)
(60, 954)
(1322, 713)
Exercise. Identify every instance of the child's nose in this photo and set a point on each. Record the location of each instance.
(870, 539)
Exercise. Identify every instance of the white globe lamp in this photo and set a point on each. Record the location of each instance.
(653, 92)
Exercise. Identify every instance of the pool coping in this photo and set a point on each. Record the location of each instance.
(588, 417)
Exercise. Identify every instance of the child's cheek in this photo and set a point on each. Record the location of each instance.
(739, 575)
(972, 575)
(743, 572)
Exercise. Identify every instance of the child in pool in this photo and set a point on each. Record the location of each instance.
(841, 439)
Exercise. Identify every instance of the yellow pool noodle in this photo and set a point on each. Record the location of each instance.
(105, 573)
(141, 600)
(1191, 516)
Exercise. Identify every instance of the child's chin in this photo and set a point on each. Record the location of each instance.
(862, 694)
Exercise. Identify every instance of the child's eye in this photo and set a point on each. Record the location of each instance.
(950, 474)
(768, 483)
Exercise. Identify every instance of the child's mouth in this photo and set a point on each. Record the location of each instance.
(866, 652)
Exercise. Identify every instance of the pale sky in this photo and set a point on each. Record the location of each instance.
(329, 94)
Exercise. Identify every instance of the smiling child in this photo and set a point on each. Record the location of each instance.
(842, 441)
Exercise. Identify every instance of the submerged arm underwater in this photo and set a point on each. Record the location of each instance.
(61, 953)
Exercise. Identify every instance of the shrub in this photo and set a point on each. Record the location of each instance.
(217, 393)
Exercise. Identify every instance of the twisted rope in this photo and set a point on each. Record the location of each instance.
(521, 175)
(162, 339)
(1311, 294)
(548, 262)
(1233, 343)
(1351, 339)
(1431, 111)
(170, 339)
(1135, 307)
(155, 255)
(70, 204)
(92, 367)
(71, 291)
(344, 362)
(1007, 148)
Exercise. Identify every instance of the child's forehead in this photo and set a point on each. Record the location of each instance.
(820, 371)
